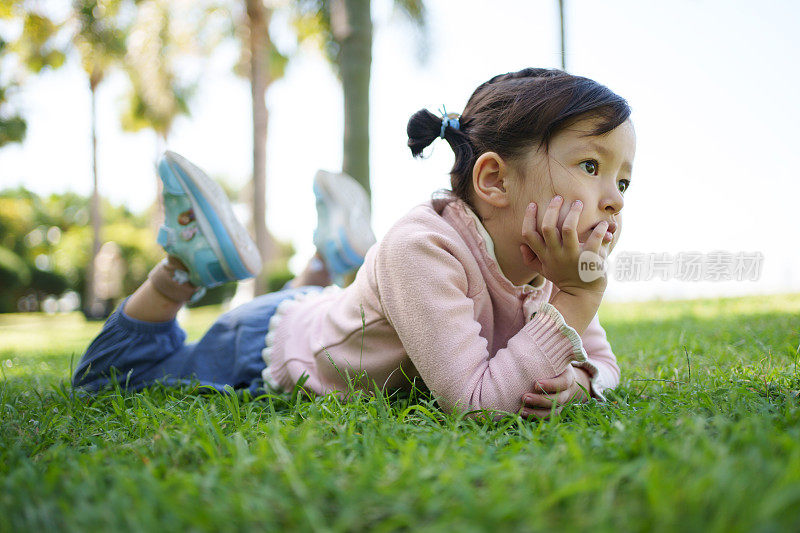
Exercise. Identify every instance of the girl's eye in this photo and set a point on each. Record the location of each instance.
(623, 185)
(591, 166)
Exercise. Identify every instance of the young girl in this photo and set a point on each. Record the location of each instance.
(477, 292)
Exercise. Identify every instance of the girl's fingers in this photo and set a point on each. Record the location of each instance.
(595, 240)
(538, 401)
(546, 401)
(561, 382)
(529, 230)
(565, 397)
(550, 223)
(569, 230)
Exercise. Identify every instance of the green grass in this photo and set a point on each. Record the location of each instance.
(703, 434)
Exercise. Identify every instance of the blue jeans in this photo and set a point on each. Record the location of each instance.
(143, 353)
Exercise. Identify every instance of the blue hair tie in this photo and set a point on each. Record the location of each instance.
(448, 120)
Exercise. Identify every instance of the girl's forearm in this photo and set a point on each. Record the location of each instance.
(578, 310)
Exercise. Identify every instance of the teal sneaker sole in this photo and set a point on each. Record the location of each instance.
(343, 233)
(232, 247)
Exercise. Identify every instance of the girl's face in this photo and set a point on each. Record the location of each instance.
(593, 169)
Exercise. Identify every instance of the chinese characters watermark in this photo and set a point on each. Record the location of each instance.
(682, 266)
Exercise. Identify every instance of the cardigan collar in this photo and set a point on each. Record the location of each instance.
(473, 230)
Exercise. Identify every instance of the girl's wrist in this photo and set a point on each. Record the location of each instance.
(578, 309)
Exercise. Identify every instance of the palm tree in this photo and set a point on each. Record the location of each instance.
(344, 28)
(100, 41)
(259, 47)
(36, 50)
(156, 97)
(561, 21)
(262, 63)
(351, 27)
(12, 127)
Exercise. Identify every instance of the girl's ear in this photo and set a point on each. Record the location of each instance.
(489, 177)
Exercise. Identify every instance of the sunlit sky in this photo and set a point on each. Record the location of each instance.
(713, 87)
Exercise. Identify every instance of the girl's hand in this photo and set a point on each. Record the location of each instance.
(572, 385)
(555, 254)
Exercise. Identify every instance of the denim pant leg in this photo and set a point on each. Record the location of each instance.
(143, 353)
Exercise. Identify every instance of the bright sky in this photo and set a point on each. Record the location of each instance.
(711, 83)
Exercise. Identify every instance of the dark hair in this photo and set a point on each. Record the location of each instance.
(513, 111)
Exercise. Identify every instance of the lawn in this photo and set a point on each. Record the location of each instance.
(703, 434)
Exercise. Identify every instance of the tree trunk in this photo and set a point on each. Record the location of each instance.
(355, 65)
(157, 211)
(561, 20)
(258, 23)
(95, 214)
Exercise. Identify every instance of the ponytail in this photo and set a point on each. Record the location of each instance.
(424, 127)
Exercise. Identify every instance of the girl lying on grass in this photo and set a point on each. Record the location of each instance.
(477, 292)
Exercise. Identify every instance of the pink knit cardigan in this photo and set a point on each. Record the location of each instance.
(430, 302)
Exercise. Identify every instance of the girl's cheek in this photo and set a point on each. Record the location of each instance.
(584, 224)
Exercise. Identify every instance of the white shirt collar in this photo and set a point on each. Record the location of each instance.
(538, 281)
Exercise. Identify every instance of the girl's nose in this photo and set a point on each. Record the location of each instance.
(613, 201)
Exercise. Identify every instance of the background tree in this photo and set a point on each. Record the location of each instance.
(259, 48)
(95, 31)
(45, 244)
(100, 41)
(343, 29)
(157, 95)
(33, 51)
(12, 126)
(262, 63)
(562, 34)
(154, 46)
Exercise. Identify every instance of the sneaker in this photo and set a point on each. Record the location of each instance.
(200, 228)
(343, 233)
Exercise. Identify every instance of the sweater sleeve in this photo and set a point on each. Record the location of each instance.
(424, 293)
(601, 362)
